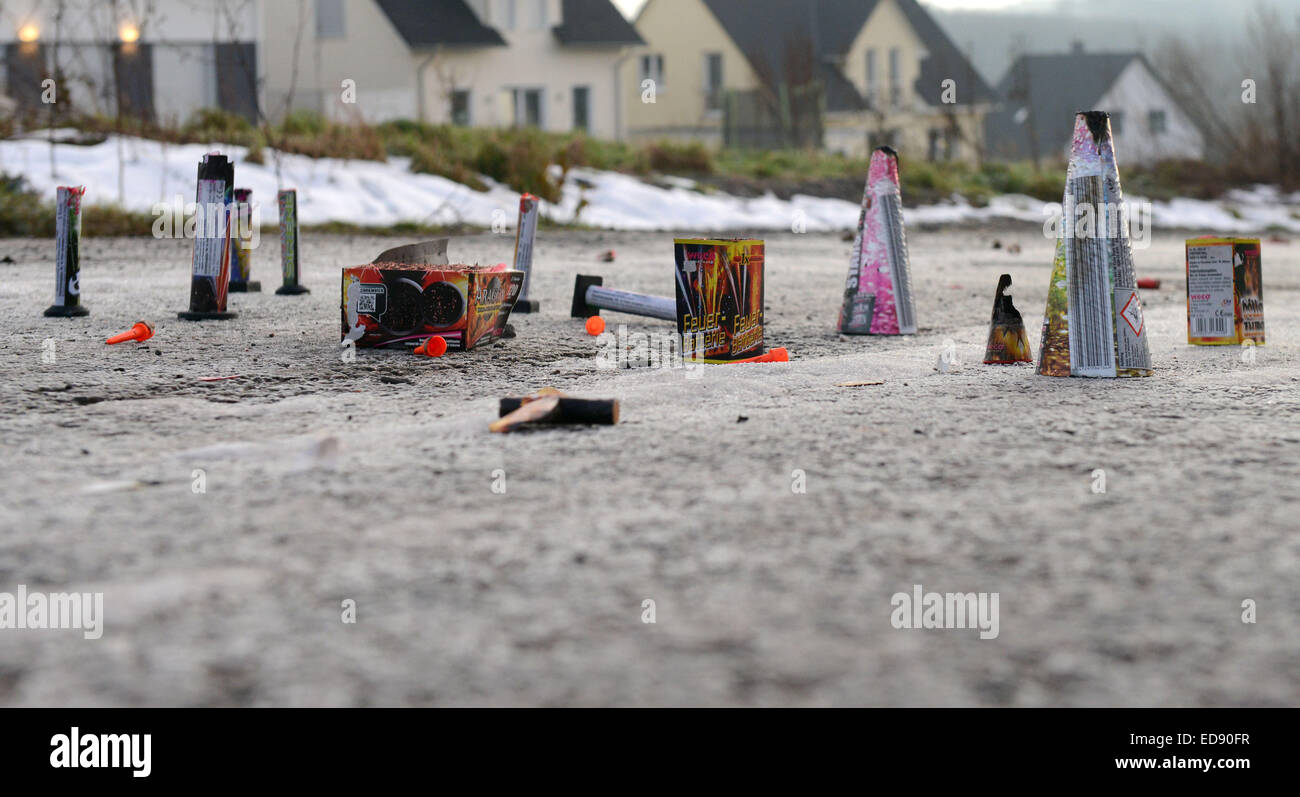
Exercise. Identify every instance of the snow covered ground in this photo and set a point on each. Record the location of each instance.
(381, 194)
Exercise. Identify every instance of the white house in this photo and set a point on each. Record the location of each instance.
(159, 59)
(552, 64)
(1041, 94)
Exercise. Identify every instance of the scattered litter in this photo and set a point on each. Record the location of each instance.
(1149, 284)
(7, 260)
(589, 298)
(220, 378)
(435, 346)
(778, 355)
(878, 300)
(608, 256)
(742, 419)
(595, 325)
(858, 384)
(551, 407)
(99, 488)
(1008, 341)
(141, 332)
(67, 256)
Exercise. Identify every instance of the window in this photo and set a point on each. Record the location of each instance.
(528, 108)
(582, 108)
(1117, 123)
(873, 77)
(652, 68)
(1157, 122)
(330, 20)
(895, 77)
(460, 105)
(713, 81)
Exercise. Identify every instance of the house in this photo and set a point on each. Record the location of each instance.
(867, 72)
(159, 61)
(1042, 93)
(486, 63)
(547, 63)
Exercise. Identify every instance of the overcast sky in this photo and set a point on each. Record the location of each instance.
(990, 30)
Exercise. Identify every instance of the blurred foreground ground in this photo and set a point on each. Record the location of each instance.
(372, 481)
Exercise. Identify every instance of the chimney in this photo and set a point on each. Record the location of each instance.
(1076, 47)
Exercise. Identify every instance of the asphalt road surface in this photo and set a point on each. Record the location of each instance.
(769, 514)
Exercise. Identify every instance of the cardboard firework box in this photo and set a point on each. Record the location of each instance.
(720, 298)
(392, 303)
(1225, 291)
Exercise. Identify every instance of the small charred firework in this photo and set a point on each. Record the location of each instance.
(1008, 340)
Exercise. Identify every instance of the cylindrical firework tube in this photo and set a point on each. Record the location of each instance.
(589, 298)
(526, 232)
(288, 202)
(214, 202)
(241, 256)
(67, 258)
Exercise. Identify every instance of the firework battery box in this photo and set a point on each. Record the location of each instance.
(719, 298)
(1225, 291)
(397, 304)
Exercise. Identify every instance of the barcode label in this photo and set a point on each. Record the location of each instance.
(1092, 302)
(1211, 327)
(210, 241)
(900, 271)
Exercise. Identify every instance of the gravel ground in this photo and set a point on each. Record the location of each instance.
(372, 481)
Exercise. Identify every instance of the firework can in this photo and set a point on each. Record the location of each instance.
(289, 263)
(67, 257)
(526, 232)
(241, 257)
(720, 297)
(214, 203)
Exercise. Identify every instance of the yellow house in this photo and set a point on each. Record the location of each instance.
(846, 74)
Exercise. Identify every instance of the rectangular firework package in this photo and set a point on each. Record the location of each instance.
(1225, 291)
(720, 297)
(393, 303)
